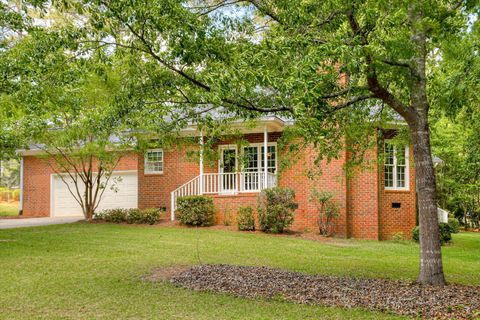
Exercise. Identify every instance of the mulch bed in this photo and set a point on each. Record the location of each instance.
(428, 302)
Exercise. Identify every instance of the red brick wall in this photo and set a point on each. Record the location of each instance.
(363, 205)
(36, 187)
(36, 183)
(154, 189)
(331, 179)
(227, 206)
(403, 219)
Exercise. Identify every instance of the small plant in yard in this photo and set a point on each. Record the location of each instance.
(398, 236)
(196, 211)
(133, 216)
(245, 219)
(144, 216)
(454, 225)
(276, 208)
(112, 215)
(227, 217)
(151, 215)
(327, 209)
(445, 233)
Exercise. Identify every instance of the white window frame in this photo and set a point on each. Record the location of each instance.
(240, 166)
(145, 165)
(395, 166)
(260, 157)
(223, 147)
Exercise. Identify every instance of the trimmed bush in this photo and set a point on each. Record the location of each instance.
(454, 225)
(112, 215)
(444, 229)
(151, 215)
(245, 219)
(145, 216)
(196, 211)
(133, 216)
(276, 208)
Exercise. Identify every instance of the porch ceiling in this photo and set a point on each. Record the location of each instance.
(273, 124)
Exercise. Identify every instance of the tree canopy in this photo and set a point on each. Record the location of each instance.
(338, 68)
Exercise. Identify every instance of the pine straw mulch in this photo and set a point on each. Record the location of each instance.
(449, 302)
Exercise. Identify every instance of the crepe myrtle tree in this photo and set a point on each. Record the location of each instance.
(64, 104)
(326, 64)
(85, 164)
(84, 144)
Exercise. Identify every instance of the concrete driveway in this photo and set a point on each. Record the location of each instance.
(35, 222)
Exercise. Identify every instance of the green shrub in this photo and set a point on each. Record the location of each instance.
(454, 225)
(145, 216)
(328, 211)
(444, 229)
(150, 215)
(196, 211)
(276, 208)
(133, 216)
(245, 219)
(445, 233)
(112, 215)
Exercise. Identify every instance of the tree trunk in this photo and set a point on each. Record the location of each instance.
(431, 269)
(89, 212)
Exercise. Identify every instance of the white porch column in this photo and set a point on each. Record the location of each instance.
(173, 199)
(265, 148)
(201, 163)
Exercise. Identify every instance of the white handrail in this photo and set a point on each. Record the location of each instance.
(223, 183)
(190, 188)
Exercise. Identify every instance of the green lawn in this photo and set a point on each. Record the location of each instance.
(8, 209)
(94, 271)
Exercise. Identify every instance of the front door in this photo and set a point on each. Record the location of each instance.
(228, 170)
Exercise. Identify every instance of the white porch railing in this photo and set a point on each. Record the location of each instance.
(223, 183)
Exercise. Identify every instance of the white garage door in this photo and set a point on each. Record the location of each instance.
(121, 192)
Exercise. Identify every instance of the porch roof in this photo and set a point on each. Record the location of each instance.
(271, 123)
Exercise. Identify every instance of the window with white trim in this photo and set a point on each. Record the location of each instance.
(395, 170)
(154, 161)
(255, 153)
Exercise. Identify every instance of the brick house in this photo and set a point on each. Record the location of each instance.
(375, 202)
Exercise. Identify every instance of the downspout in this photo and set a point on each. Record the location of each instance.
(201, 163)
(20, 209)
(265, 158)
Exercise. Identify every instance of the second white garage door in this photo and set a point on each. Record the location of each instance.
(123, 195)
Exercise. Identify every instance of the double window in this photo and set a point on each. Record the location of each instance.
(396, 176)
(255, 158)
(154, 161)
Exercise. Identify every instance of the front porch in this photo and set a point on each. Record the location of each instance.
(224, 184)
(241, 170)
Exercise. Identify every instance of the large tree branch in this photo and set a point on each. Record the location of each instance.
(207, 9)
(248, 105)
(342, 92)
(353, 101)
(265, 9)
(399, 63)
(374, 85)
